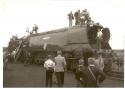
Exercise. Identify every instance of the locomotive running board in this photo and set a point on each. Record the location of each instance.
(76, 43)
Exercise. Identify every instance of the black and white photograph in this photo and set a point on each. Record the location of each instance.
(62, 43)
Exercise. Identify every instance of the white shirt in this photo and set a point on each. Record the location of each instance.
(49, 63)
(99, 63)
(99, 34)
(14, 52)
(91, 65)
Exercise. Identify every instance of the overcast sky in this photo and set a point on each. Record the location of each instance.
(16, 15)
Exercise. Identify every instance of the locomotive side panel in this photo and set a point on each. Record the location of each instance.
(71, 39)
(78, 35)
(52, 39)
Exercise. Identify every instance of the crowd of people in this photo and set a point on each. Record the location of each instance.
(81, 18)
(90, 75)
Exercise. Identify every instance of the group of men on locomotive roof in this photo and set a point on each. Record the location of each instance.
(81, 18)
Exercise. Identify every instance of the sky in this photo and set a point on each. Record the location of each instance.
(16, 15)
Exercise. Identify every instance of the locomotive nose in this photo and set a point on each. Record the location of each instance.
(92, 37)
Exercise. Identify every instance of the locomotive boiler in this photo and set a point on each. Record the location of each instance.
(73, 41)
(69, 39)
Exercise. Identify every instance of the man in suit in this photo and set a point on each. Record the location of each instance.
(90, 76)
(60, 65)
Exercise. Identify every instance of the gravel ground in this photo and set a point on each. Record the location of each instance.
(18, 75)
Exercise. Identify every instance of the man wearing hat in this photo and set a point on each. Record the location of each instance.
(60, 65)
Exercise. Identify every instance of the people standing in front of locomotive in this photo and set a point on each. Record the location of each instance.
(6, 55)
(77, 17)
(35, 28)
(49, 65)
(78, 69)
(60, 65)
(27, 58)
(81, 61)
(99, 38)
(90, 76)
(71, 18)
(13, 54)
(99, 62)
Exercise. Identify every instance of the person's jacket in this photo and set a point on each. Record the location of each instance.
(60, 63)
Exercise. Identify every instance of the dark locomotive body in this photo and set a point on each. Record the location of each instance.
(73, 41)
(76, 38)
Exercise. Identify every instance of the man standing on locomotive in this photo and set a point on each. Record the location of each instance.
(71, 18)
(86, 14)
(60, 65)
(35, 28)
(77, 17)
(82, 18)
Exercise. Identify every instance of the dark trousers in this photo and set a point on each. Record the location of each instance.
(77, 22)
(49, 75)
(60, 78)
(82, 21)
(70, 22)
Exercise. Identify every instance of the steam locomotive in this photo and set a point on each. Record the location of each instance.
(73, 41)
(69, 39)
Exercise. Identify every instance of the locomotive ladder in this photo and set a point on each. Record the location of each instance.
(18, 52)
